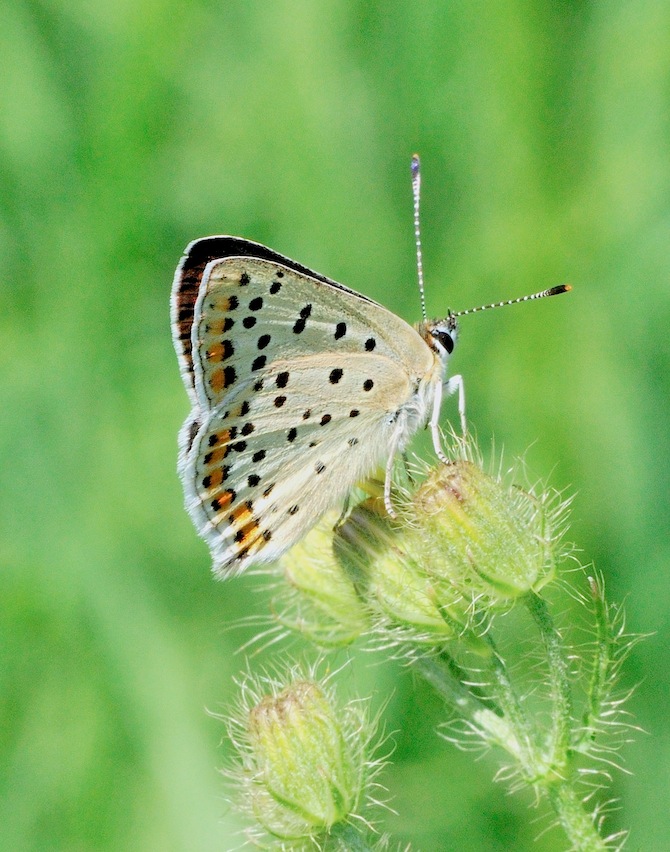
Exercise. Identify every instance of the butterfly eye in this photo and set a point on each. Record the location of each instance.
(445, 340)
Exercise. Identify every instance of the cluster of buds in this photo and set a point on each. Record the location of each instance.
(465, 544)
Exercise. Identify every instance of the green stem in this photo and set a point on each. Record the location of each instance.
(601, 663)
(561, 711)
(514, 732)
(577, 824)
(518, 722)
(459, 675)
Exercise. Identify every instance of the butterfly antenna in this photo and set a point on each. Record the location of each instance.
(552, 291)
(416, 193)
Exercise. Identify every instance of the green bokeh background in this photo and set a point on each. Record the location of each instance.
(129, 128)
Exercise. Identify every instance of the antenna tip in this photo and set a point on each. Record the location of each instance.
(562, 288)
(415, 163)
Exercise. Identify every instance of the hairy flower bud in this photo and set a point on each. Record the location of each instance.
(306, 764)
(384, 557)
(492, 540)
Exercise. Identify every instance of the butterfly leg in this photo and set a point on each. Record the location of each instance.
(454, 384)
(343, 514)
(435, 424)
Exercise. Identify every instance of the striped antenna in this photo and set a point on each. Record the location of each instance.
(416, 193)
(552, 291)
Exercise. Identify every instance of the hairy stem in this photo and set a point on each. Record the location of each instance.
(491, 726)
(509, 701)
(544, 764)
(602, 663)
(577, 824)
(561, 711)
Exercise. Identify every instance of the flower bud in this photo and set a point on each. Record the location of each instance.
(492, 540)
(305, 760)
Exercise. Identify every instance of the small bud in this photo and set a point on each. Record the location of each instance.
(322, 602)
(305, 763)
(492, 540)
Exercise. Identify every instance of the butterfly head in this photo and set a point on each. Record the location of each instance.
(440, 335)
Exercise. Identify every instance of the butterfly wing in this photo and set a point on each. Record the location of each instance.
(218, 266)
(267, 463)
(187, 282)
(296, 383)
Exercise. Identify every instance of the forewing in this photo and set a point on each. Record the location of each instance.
(251, 313)
(188, 278)
(269, 461)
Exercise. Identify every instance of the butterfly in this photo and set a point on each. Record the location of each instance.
(300, 388)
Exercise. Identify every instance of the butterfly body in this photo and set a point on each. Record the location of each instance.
(300, 388)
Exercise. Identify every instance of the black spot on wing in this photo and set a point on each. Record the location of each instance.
(299, 325)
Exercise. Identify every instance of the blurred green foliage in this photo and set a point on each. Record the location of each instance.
(127, 129)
